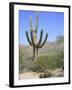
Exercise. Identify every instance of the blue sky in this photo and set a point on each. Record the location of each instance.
(50, 22)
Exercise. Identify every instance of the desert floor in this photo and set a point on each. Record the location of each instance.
(29, 75)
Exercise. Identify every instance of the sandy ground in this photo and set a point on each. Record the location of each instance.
(29, 75)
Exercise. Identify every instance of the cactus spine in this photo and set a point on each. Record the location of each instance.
(33, 41)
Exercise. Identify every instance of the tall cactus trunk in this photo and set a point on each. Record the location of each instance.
(33, 52)
(37, 51)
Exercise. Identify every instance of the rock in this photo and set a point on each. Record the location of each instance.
(58, 73)
(41, 75)
(49, 73)
(45, 74)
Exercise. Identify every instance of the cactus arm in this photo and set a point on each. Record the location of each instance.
(32, 38)
(41, 35)
(36, 28)
(33, 51)
(40, 46)
(31, 27)
(28, 38)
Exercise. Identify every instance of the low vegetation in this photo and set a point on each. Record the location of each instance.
(48, 59)
(52, 62)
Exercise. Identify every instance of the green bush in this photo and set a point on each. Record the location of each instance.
(21, 60)
(44, 62)
(60, 61)
(52, 62)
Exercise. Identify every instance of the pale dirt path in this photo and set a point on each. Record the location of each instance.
(29, 75)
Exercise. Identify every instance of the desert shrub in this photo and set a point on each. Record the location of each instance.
(60, 39)
(49, 62)
(25, 61)
(21, 60)
(60, 59)
(44, 62)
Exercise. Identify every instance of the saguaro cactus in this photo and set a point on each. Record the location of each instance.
(33, 40)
